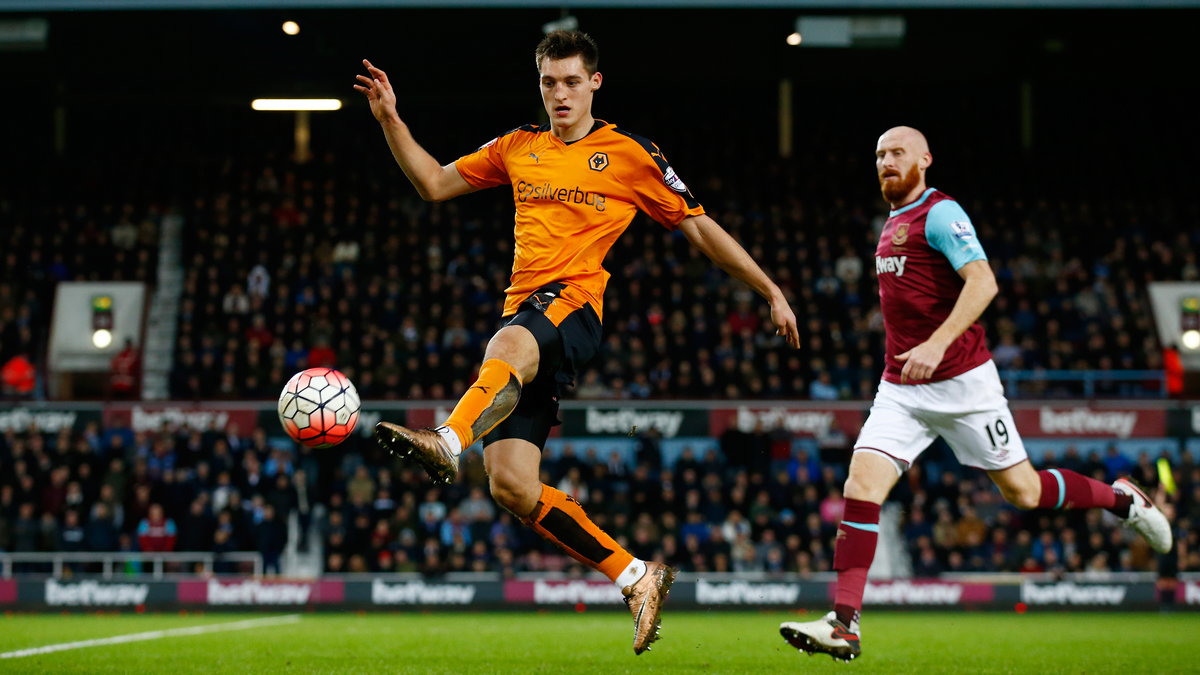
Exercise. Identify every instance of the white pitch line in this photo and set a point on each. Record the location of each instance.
(154, 635)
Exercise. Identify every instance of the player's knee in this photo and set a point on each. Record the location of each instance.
(516, 346)
(854, 488)
(857, 487)
(1022, 499)
(514, 496)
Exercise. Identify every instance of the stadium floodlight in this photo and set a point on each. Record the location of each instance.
(23, 34)
(102, 338)
(294, 104)
(302, 107)
(858, 32)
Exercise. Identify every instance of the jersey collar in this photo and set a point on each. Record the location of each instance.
(912, 205)
(596, 126)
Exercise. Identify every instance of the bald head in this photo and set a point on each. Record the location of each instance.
(907, 137)
(901, 158)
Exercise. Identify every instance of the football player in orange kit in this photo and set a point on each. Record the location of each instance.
(577, 183)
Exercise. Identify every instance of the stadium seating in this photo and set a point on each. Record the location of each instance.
(288, 266)
(318, 267)
(367, 512)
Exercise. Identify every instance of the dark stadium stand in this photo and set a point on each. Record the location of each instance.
(401, 294)
(95, 491)
(292, 266)
(337, 262)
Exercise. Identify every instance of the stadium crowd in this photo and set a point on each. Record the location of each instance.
(43, 246)
(293, 266)
(288, 266)
(734, 510)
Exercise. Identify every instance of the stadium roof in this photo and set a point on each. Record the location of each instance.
(77, 5)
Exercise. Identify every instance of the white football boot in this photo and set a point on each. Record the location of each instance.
(1144, 517)
(826, 635)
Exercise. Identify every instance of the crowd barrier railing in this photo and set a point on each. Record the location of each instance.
(127, 564)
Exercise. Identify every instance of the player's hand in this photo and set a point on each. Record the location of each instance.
(785, 322)
(378, 91)
(921, 361)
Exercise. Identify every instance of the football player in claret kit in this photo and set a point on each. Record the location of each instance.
(577, 183)
(939, 380)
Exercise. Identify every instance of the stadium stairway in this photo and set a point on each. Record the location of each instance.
(891, 554)
(158, 352)
(297, 564)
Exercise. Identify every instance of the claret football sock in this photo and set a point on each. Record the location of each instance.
(1065, 489)
(560, 519)
(490, 399)
(853, 552)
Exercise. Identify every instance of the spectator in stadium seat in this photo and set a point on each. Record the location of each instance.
(271, 535)
(124, 370)
(18, 376)
(5, 533)
(156, 532)
(282, 496)
(322, 355)
(71, 538)
(100, 533)
(1116, 464)
(197, 528)
(361, 486)
(25, 529)
(48, 533)
(927, 565)
(823, 388)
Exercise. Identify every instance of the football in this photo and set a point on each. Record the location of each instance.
(319, 407)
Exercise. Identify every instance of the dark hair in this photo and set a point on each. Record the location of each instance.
(563, 44)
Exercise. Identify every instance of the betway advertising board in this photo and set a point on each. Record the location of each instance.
(604, 421)
(383, 592)
(87, 594)
(420, 594)
(801, 421)
(925, 593)
(1100, 419)
(1184, 422)
(368, 417)
(157, 416)
(1082, 421)
(253, 592)
(47, 420)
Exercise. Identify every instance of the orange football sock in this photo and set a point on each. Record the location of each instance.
(487, 402)
(561, 519)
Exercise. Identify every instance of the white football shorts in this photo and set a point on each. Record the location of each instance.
(969, 411)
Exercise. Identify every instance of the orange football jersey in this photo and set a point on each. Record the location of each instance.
(573, 200)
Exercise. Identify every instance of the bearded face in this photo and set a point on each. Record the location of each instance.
(896, 186)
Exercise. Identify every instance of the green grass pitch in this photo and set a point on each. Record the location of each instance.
(598, 642)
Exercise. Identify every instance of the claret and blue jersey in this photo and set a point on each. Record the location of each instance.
(921, 249)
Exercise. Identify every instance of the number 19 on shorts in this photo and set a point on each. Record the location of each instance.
(997, 429)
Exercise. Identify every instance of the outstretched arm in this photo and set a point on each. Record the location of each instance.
(922, 361)
(713, 241)
(434, 182)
